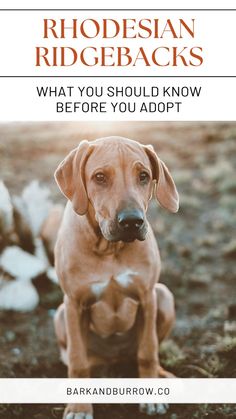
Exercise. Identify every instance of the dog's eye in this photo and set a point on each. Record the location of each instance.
(144, 177)
(100, 177)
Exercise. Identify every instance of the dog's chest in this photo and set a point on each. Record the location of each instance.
(114, 309)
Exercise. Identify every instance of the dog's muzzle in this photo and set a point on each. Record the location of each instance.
(128, 225)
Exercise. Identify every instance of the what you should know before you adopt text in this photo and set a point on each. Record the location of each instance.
(142, 99)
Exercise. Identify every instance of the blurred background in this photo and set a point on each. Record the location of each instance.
(197, 246)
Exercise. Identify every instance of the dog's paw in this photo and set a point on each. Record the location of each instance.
(78, 411)
(153, 408)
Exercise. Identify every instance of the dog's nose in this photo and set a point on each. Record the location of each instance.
(130, 219)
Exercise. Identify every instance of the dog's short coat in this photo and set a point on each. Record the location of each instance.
(107, 260)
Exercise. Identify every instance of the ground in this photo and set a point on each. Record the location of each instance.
(197, 246)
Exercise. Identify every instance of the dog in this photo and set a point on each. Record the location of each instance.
(108, 263)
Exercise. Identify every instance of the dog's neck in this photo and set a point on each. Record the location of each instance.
(102, 246)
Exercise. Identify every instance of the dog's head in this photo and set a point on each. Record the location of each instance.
(116, 176)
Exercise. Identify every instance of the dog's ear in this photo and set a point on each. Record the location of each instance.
(70, 177)
(165, 189)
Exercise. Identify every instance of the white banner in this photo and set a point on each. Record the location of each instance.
(120, 99)
(123, 390)
(118, 42)
(90, 89)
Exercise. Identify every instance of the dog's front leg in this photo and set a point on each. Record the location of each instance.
(148, 360)
(78, 365)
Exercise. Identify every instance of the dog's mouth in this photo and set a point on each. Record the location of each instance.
(129, 237)
(113, 233)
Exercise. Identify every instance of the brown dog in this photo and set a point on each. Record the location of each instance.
(108, 262)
